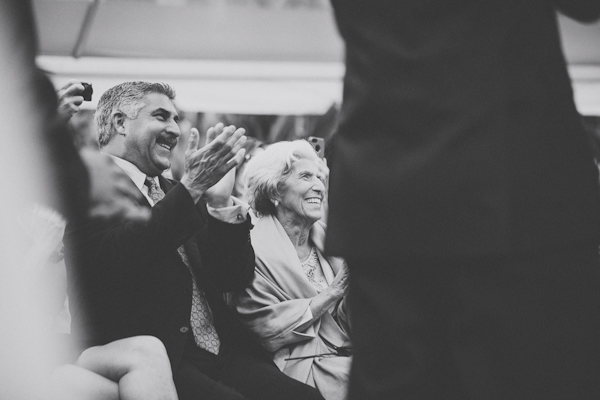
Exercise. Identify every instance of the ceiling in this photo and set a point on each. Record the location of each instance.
(282, 56)
(220, 29)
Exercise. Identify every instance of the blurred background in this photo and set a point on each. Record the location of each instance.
(274, 65)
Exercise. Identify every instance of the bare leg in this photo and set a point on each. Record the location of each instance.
(70, 382)
(139, 364)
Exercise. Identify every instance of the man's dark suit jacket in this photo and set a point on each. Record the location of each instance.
(127, 279)
(458, 131)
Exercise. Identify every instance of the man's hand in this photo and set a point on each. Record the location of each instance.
(112, 196)
(219, 195)
(69, 100)
(206, 166)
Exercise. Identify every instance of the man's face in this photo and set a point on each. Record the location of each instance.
(150, 137)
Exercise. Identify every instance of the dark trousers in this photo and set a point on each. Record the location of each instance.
(521, 327)
(229, 376)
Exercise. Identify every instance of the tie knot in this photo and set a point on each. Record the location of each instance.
(150, 182)
(154, 190)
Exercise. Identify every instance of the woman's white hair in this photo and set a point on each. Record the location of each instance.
(267, 171)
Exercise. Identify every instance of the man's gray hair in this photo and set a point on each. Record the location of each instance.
(266, 172)
(128, 99)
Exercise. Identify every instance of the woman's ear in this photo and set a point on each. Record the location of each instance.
(118, 121)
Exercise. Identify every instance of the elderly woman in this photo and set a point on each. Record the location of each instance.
(295, 304)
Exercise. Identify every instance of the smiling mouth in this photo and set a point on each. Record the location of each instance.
(314, 200)
(167, 144)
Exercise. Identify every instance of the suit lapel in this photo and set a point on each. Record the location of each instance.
(165, 184)
(190, 246)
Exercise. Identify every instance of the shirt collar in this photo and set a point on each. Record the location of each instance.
(137, 176)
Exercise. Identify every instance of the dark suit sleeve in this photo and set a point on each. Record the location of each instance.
(174, 219)
(581, 10)
(227, 253)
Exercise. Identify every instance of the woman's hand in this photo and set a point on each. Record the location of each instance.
(328, 298)
(341, 282)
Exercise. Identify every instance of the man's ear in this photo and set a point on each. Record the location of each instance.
(118, 122)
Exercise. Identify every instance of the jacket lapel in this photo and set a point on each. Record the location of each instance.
(190, 246)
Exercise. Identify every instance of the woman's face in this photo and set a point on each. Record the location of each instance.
(302, 193)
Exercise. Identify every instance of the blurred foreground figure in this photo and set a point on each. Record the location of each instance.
(465, 200)
(24, 358)
(43, 169)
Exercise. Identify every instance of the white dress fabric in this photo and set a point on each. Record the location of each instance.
(278, 301)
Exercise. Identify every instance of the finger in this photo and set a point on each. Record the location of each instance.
(77, 100)
(72, 90)
(75, 89)
(213, 132)
(225, 141)
(210, 136)
(239, 143)
(73, 109)
(237, 160)
(70, 82)
(193, 140)
(233, 143)
(222, 131)
(232, 147)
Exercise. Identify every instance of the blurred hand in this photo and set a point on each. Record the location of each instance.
(69, 99)
(46, 228)
(206, 166)
(111, 194)
(324, 169)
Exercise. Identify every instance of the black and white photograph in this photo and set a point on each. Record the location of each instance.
(300, 200)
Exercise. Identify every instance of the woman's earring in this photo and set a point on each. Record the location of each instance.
(276, 202)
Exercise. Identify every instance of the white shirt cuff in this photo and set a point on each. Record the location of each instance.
(235, 214)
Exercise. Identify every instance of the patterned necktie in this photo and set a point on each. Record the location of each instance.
(201, 321)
